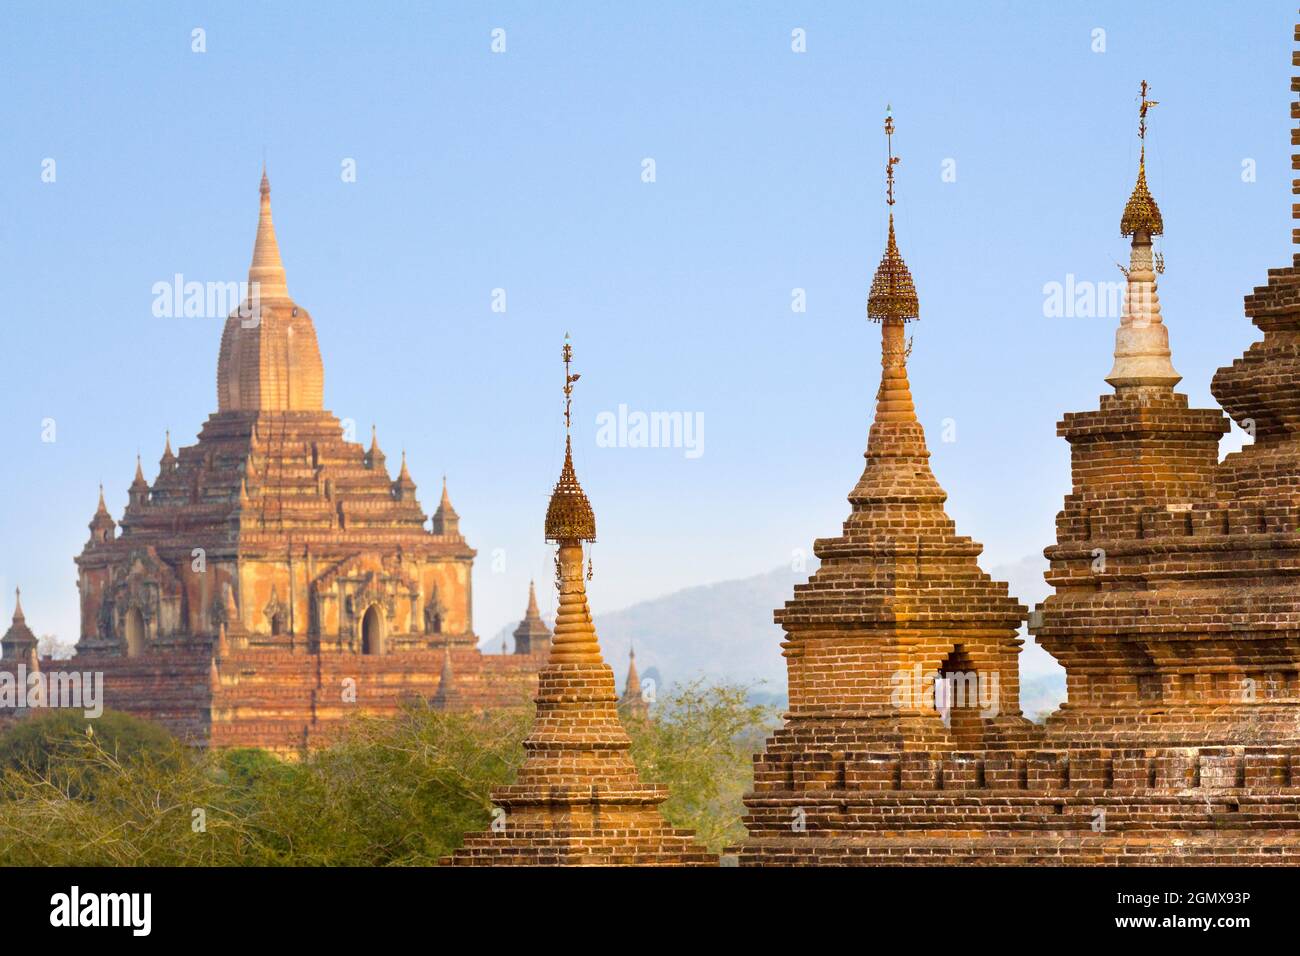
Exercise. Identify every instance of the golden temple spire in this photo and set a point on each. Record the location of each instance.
(1142, 357)
(19, 618)
(532, 611)
(892, 302)
(570, 521)
(1141, 214)
(893, 294)
(267, 271)
(569, 517)
(632, 687)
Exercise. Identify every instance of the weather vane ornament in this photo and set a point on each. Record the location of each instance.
(893, 294)
(569, 379)
(891, 160)
(1141, 214)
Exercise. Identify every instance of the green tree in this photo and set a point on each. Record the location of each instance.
(52, 737)
(700, 741)
(401, 790)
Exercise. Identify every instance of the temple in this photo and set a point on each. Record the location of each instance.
(275, 578)
(578, 799)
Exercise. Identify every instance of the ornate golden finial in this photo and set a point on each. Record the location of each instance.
(569, 517)
(893, 294)
(1141, 214)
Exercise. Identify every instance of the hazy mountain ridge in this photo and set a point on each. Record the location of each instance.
(725, 631)
(720, 631)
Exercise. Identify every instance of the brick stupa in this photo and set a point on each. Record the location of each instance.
(578, 800)
(898, 600)
(1177, 612)
(274, 579)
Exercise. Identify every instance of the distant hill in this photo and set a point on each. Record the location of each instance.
(725, 631)
(720, 631)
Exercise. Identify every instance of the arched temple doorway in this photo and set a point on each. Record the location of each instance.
(372, 631)
(135, 633)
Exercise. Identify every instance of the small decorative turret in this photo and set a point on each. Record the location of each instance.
(139, 490)
(532, 636)
(404, 486)
(445, 520)
(375, 458)
(19, 643)
(447, 696)
(167, 464)
(102, 526)
(633, 703)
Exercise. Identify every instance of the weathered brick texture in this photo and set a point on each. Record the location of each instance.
(1175, 612)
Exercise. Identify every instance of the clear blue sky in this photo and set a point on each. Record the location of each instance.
(523, 171)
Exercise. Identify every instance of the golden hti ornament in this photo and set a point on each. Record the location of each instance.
(893, 293)
(569, 518)
(1141, 214)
